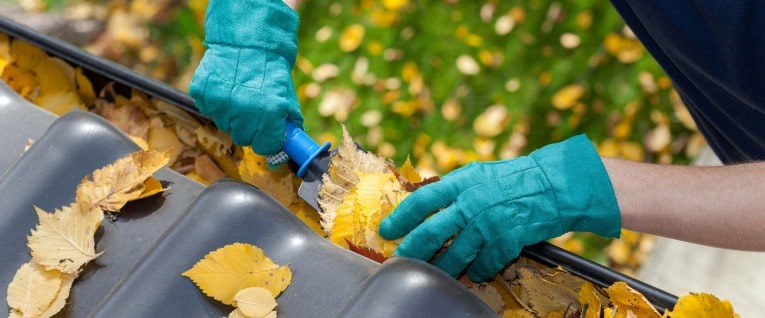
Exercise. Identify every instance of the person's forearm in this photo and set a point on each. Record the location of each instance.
(292, 4)
(718, 206)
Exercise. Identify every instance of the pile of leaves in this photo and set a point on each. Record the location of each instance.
(63, 242)
(361, 189)
(197, 149)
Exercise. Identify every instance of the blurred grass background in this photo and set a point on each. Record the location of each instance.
(444, 82)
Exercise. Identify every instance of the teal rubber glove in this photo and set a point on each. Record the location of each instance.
(244, 81)
(496, 208)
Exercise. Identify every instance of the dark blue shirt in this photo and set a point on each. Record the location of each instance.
(714, 52)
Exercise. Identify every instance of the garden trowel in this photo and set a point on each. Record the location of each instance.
(310, 160)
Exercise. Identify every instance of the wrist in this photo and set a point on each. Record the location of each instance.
(582, 188)
(294, 4)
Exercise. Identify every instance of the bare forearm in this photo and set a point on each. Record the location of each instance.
(292, 4)
(719, 206)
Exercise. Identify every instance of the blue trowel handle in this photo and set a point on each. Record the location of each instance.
(301, 148)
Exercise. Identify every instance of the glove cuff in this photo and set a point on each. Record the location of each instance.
(583, 190)
(264, 24)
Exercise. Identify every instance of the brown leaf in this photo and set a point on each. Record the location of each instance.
(111, 187)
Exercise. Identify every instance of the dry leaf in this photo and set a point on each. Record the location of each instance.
(517, 313)
(342, 177)
(627, 302)
(64, 240)
(61, 297)
(537, 291)
(701, 305)
(229, 269)
(408, 172)
(151, 187)
(278, 182)
(216, 141)
(33, 290)
(127, 117)
(111, 187)
(255, 301)
(164, 139)
(237, 313)
(589, 300)
(489, 295)
(207, 169)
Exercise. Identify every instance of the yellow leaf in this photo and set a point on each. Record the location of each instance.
(229, 269)
(151, 187)
(33, 289)
(164, 138)
(342, 176)
(57, 92)
(25, 55)
(517, 313)
(626, 50)
(255, 301)
(394, 4)
(278, 182)
(589, 300)
(567, 97)
(61, 297)
(492, 121)
(701, 305)
(409, 173)
(22, 81)
(111, 187)
(64, 240)
(308, 215)
(84, 87)
(351, 37)
(5, 55)
(60, 103)
(140, 142)
(628, 302)
(194, 176)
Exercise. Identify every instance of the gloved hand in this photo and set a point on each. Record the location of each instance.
(244, 81)
(496, 208)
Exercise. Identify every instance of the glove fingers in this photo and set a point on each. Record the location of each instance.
(270, 137)
(496, 254)
(425, 240)
(461, 252)
(418, 205)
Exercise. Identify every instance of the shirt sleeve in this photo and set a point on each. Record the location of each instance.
(714, 52)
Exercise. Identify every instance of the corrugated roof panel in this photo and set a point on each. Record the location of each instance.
(154, 240)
